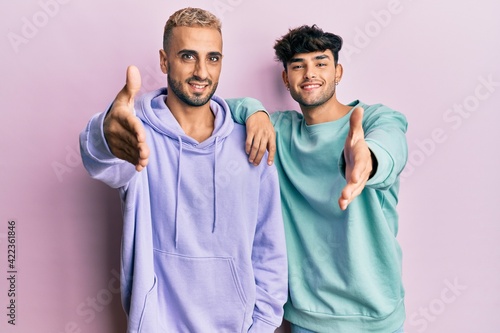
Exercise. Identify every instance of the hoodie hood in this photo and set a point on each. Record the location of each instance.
(152, 109)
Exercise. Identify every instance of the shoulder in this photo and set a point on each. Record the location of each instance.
(286, 118)
(239, 130)
(286, 114)
(375, 113)
(375, 109)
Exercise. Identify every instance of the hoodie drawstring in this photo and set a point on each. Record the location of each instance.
(177, 193)
(215, 184)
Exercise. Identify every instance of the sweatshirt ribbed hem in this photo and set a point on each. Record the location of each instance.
(326, 323)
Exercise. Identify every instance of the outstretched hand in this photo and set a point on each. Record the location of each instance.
(123, 131)
(260, 136)
(358, 160)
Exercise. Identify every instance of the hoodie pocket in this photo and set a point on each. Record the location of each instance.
(201, 294)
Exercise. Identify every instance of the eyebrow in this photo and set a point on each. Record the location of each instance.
(319, 57)
(211, 54)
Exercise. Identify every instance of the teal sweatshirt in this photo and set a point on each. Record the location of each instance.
(344, 266)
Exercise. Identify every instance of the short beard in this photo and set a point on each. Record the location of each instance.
(325, 97)
(176, 87)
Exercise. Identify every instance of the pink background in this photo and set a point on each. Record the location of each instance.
(64, 60)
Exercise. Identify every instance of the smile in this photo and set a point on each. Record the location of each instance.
(310, 86)
(198, 86)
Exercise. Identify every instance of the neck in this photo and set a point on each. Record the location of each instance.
(196, 121)
(329, 111)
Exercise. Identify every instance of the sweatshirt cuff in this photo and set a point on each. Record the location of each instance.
(253, 106)
(385, 164)
(96, 144)
(243, 108)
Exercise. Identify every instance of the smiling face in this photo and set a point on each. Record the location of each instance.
(193, 62)
(312, 77)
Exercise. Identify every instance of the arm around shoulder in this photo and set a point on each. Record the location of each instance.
(243, 108)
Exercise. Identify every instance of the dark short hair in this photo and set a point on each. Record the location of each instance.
(306, 39)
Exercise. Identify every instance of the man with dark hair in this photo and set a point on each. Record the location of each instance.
(203, 246)
(339, 169)
(305, 39)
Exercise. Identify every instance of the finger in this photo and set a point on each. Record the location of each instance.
(143, 162)
(125, 154)
(143, 151)
(132, 125)
(271, 148)
(138, 156)
(343, 204)
(143, 156)
(133, 82)
(132, 86)
(120, 134)
(122, 139)
(345, 196)
(122, 107)
(356, 123)
(356, 171)
(249, 143)
(356, 120)
(254, 151)
(356, 181)
(349, 193)
(138, 153)
(260, 154)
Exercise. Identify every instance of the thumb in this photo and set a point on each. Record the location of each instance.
(132, 86)
(356, 123)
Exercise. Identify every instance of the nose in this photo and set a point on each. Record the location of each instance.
(309, 74)
(200, 70)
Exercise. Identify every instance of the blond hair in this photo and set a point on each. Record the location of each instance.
(190, 17)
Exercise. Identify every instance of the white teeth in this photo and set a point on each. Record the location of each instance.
(311, 86)
(198, 86)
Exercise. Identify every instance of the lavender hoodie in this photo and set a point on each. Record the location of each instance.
(203, 246)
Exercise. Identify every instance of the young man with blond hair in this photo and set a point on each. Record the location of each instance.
(203, 246)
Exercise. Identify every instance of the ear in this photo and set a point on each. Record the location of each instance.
(284, 76)
(339, 71)
(163, 62)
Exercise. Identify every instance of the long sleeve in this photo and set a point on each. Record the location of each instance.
(269, 258)
(97, 158)
(242, 108)
(385, 136)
